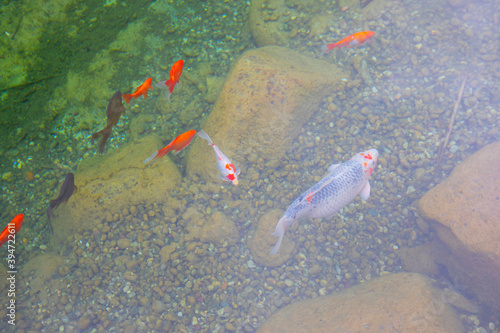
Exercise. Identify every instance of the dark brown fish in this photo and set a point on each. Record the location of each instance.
(365, 3)
(67, 189)
(114, 111)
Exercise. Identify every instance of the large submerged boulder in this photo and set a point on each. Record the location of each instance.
(403, 302)
(266, 99)
(465, 211)
(108, 185)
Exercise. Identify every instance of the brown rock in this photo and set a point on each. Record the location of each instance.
(83, 323)
(262, 241)
(403, 302)
(111, 183)
(166, 251)
(45, 267)
(123, 243)
(130, 276)
(464, 210)
(269, 94)
(218, 231)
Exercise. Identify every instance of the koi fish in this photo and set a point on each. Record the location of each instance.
(229, 172)
(14, 225)
(141, 90)
(173, 81)
(178, 144)
(65, 192)
(350, 41)
(114, 111)
(344, 182)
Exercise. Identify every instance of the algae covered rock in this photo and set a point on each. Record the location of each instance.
(403, 302)
(109, 184)
(267, 97)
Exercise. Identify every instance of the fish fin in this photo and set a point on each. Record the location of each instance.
(324, 48)
(170, 85)
(202, 134)
(161, 85)
(365, 191)
(237, 170)
(333, 167)
(223, 178)
(75, 189)
(279, 232)
(145, 94)
(127, 97)
(152, 157)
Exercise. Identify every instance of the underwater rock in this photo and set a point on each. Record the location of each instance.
(218, 230)
(402, 302)
(262, 241)
(464, 210)
(109, 184)
(267, 97)
(45, 267)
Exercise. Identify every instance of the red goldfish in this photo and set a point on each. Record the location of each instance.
(175, 75)
(11, 229)
(229, 172)
(141, 90)
(350, 41)
(179, 143)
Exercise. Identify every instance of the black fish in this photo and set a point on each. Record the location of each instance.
(67, 189)
(114, 111)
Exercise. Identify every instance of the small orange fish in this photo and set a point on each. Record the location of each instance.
(350, 41)
(175, 75)
(179, 143)
(141, 90)
(11, 229)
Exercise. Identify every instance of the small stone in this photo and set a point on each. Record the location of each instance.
(288, 282)
(130, 276)
(230, 327)
(43, 247)
(123, 243)
(83, 323)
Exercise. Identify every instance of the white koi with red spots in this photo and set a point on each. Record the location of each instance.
(331, 193)
(229, 172)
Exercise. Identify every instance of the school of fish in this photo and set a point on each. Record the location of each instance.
(343, 183)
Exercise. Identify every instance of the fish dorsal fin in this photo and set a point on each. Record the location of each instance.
(365, 191)
(333, 167)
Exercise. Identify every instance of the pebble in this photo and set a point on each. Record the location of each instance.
(123, 243)
(83, 323)
(43, 247)
(251, 264)
(288, 282)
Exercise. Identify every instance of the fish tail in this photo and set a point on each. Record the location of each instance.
(127, 98)
(279, 232)
(170, 84)
(324, 48)
(103, 135)
(152, 157)
(202, 134)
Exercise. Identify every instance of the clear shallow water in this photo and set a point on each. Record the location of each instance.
(403, 87)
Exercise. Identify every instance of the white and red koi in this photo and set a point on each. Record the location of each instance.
(226, 167)
(344, 182)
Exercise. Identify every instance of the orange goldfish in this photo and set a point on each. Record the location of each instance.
(11, 229)
(175, 75)
(350, 41)
(141, 90)
(179, 143)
